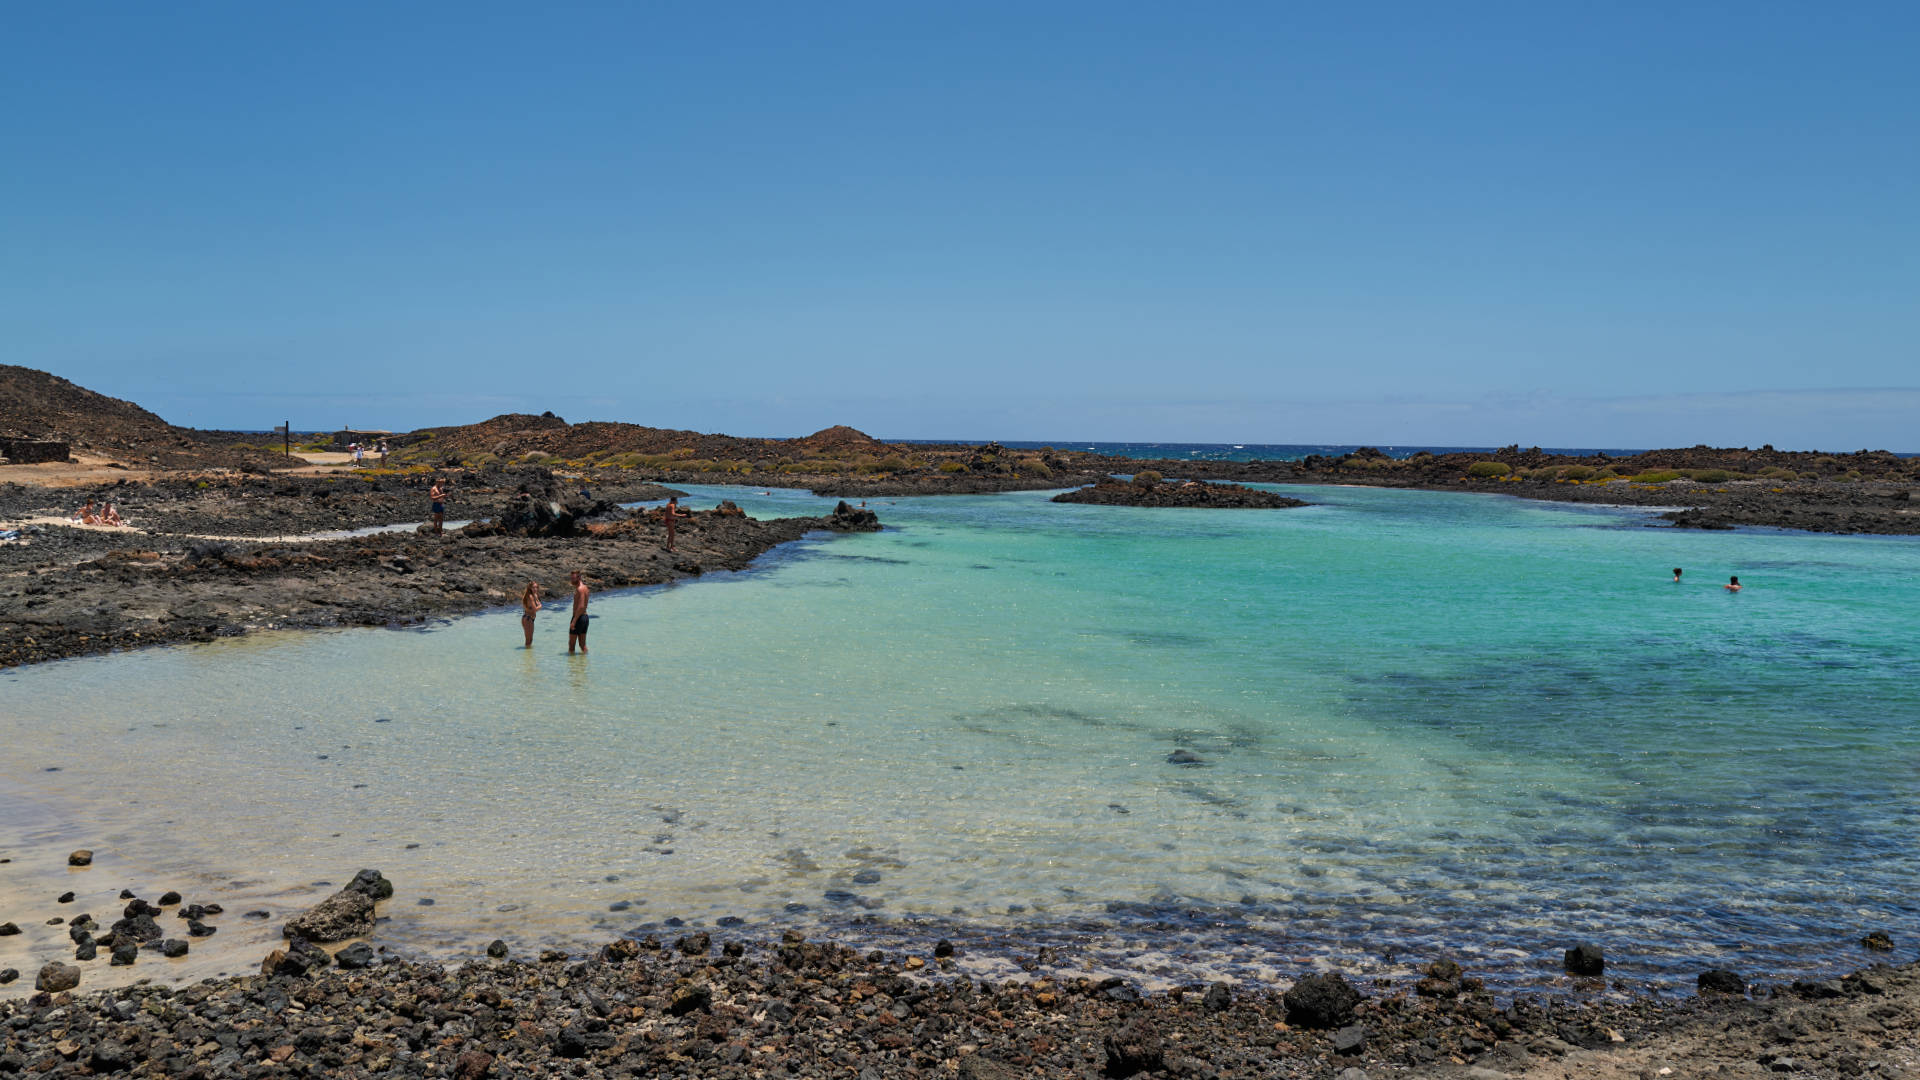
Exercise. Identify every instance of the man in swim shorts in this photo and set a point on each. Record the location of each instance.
(439, 497)
(577, 628)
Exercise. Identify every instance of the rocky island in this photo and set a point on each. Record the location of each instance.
(1150, 489)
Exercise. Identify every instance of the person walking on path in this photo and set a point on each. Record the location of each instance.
(439, 497)
(577, 628)
(671, 511)
(529, 607)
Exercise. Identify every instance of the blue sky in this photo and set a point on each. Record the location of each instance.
(1618, 225)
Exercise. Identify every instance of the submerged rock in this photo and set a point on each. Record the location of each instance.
(1586, 960)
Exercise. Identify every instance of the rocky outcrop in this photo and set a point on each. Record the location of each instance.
(1152, 491)
(346, 914)
(853, 519)
(543, 508)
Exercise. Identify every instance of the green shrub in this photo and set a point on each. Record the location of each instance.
(1708, 476)
(1489, 468)
(952, 467)
(1036, 468)
(1577, 472)
(1147, 478)
(1658, 476)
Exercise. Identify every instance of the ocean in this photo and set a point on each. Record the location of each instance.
(1176, 744)
(1179, 451)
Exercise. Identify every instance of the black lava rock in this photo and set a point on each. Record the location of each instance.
(355, 956)
(124, 953)
(86, 950)
(173, 948)
(1586, 960)
(497, 949)
(8, 929)
(1321, 1001)
(1350, 1040)
(169, 898)
(373, 883)
(136, 929)
(1721, 981)
(1219, 997)
(1133, 1047)
(196, 928)
(942, 949)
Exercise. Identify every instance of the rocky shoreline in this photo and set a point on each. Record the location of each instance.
(724, 1003)
(73, 591)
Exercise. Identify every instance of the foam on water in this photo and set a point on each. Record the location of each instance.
(1423, 722)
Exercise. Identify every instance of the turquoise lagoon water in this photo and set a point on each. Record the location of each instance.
(1425, 722)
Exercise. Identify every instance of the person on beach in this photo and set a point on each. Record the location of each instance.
(1733, 584)
(577, 627)
(85, 515)
(439, 497)
(383, 453)
(1676, 575)
(670, 512)
(111, 516)
(529, 608)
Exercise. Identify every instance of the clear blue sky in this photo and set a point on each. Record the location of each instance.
(1482, 223)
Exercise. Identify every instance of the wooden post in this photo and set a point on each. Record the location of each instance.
(286, 438)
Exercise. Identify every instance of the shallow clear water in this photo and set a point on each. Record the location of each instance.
(1426, 722)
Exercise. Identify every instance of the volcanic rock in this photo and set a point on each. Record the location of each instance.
(346, 914)
(56, 977)
(1321, 1001)
(1586, 960)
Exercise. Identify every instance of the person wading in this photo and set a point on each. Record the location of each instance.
(439, 497)
(529, 609)
(577, 627)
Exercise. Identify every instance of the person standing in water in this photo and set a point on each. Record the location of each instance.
(439, 497)
(1676, 575)
(529, 607)
(1733, 584)
(577, 628)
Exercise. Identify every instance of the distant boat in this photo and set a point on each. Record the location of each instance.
(1237, 446)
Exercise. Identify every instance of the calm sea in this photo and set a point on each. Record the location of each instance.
(1413, 724)
(1249, 451)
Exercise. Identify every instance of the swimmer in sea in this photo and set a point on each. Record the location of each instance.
(1676, 575)
(529, 607)
(1733, 584)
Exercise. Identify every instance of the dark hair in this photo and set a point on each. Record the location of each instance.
(1735, 579)
(1676, 570)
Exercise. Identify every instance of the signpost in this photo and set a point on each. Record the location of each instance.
(286, 438)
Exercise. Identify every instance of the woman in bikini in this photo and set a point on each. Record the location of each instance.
(529, 607)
